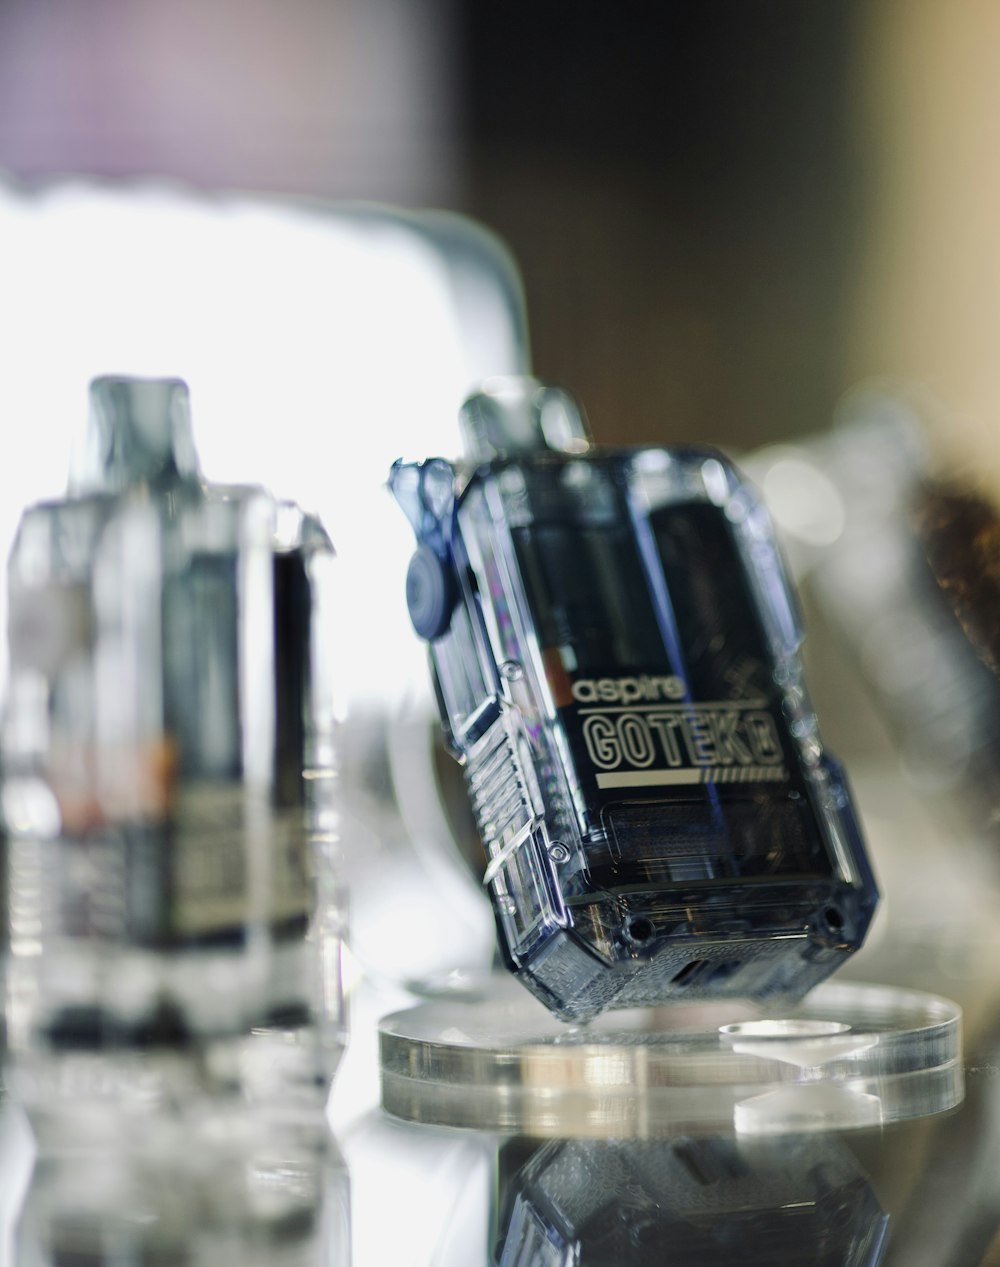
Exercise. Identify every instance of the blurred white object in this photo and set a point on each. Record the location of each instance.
(844, 503)
(320, 344)
(168, 765)
(260, 1196)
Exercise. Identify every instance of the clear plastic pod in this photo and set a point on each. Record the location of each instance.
(167, 755)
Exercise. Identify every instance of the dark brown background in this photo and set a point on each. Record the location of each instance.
(680, 183)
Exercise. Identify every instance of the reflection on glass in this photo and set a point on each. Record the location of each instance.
(789, 1200)
(265, 1197)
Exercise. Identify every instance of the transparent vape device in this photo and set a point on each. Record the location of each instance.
(615, 646)
(167, 753)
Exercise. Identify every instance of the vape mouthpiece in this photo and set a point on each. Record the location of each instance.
(139, 433)
(514, 417)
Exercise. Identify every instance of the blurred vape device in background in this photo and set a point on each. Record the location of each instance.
(615, 646)
(167, 768)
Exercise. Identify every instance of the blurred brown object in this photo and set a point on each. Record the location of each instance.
(678, 182)
(960, 532)
(927, 292)
(992, 1256)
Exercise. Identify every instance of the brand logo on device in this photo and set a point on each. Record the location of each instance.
(706, 736)
(628, 690)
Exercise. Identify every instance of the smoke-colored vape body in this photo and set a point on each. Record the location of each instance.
(167, 769)
(615, 650)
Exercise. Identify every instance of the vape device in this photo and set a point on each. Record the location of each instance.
(614, 646)
(167, 763)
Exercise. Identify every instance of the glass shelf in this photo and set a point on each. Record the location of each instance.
(492, 1058)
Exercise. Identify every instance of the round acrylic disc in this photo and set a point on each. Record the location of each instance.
(493, 1058)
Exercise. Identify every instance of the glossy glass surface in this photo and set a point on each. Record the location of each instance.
(849, 1056)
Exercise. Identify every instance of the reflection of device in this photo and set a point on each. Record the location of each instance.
(166, 753)
(787, 1200)
(614, 647)
(265, 1197)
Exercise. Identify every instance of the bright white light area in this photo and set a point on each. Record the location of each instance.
(716, 481)
(652, 461)
(30, 808)
(319, 345)
(803, 500)
(419, 1194)
(17, 1156)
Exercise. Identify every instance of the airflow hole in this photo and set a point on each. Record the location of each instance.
(639, 930)
(706, 972)
(689, 972)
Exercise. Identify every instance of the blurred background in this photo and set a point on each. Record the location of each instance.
(752, 224)
(727, 216)
(727, 213)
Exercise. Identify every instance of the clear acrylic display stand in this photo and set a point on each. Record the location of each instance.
(491, 1057)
